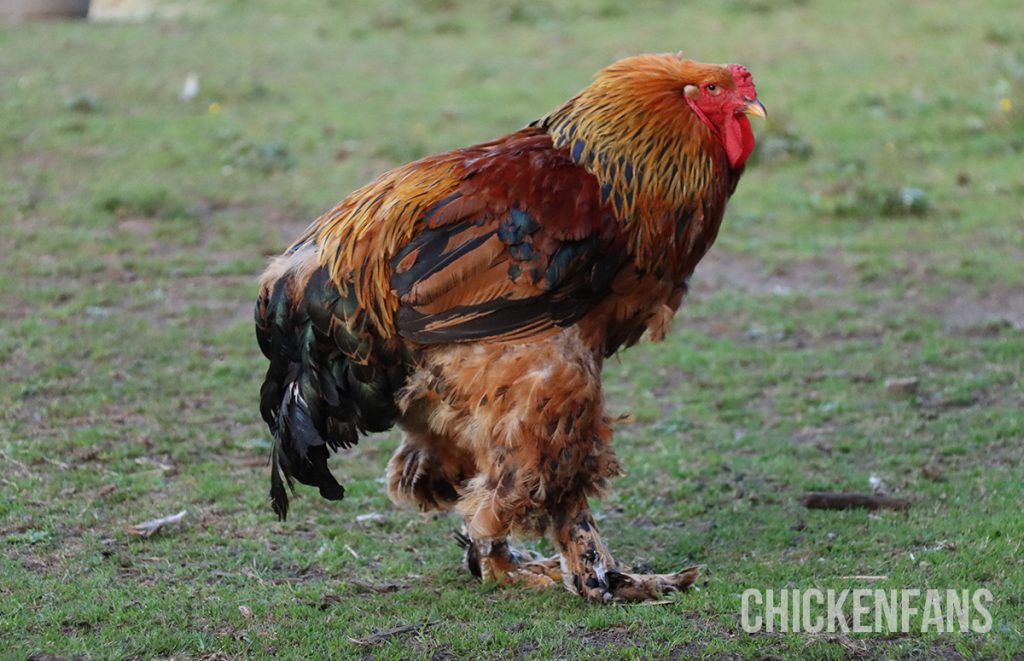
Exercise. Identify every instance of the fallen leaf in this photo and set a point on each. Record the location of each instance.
(190, 89)
(86, 454)
(827, 500)
(376, 588)
(246, 612)
(106, 490)
(149, 528)
(932, 471)
(381, 636)
(157, 462)
(865, 577)
(902, 386)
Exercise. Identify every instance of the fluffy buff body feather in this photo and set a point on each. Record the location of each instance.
(471, 297)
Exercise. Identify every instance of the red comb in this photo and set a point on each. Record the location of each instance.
(744, 81)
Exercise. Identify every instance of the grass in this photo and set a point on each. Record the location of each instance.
(134, 225)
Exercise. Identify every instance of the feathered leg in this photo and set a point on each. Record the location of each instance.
(592, 572)
(427, 471)
(532, 418)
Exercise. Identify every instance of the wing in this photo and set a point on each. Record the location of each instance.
(501, 240)
(521, 245)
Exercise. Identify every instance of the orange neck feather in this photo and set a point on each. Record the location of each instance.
(657, 163)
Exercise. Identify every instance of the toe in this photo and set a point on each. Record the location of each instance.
(680, 580)
(532, 579)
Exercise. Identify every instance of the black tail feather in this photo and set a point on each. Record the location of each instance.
(317, 397)
(278, 492)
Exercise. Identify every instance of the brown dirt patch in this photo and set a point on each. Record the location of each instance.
(723, 270)
(983, 312)
(966, 310)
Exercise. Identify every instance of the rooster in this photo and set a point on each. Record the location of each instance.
(471, 297)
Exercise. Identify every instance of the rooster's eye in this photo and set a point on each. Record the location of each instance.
(712, 88)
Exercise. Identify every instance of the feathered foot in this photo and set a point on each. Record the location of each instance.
(497, 561)
(592, 572)
(649, 587)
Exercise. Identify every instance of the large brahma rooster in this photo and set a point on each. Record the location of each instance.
(471, 298)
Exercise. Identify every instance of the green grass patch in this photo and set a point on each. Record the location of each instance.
(877, 234)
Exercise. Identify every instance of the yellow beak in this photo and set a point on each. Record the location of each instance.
(756, 108)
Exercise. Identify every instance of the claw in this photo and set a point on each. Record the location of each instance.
(462, 539)
(550, 567)
(471, 553)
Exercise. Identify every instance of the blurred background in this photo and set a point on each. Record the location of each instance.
(859, 325)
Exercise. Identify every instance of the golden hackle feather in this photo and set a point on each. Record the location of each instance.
(657, 162)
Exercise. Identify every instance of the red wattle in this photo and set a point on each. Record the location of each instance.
(738, 138)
